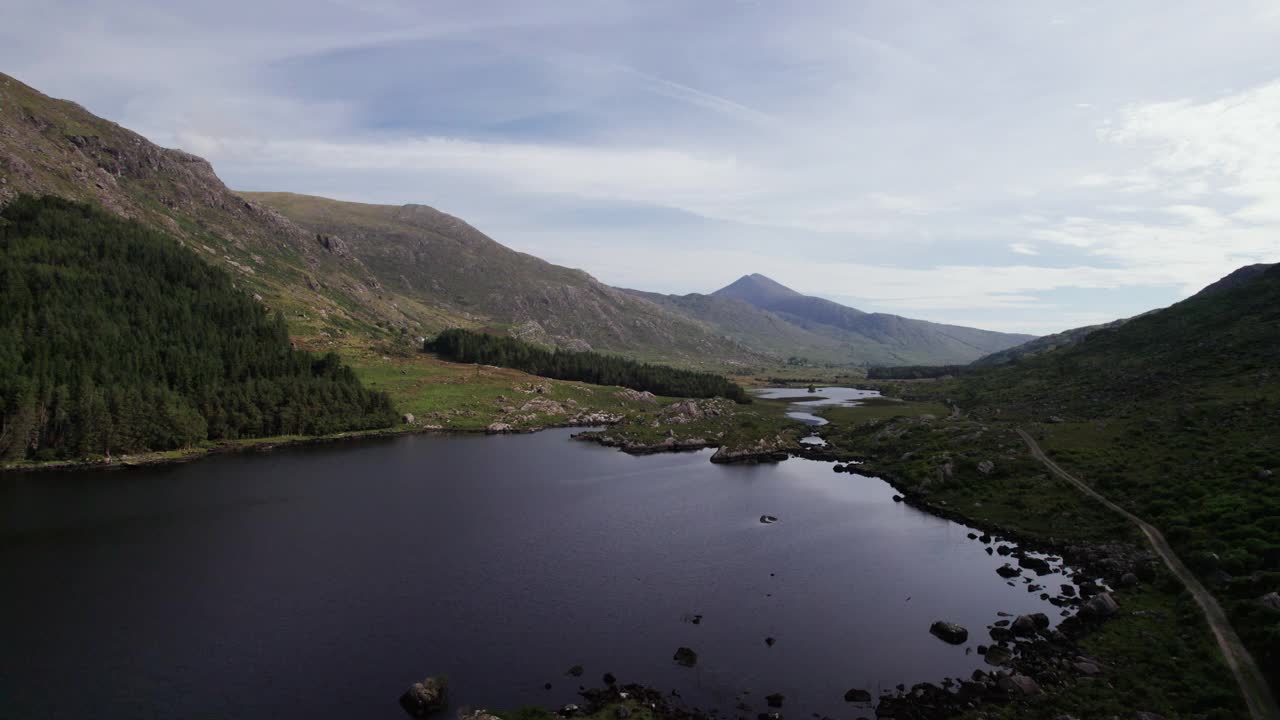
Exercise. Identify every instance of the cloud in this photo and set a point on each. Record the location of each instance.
(1023, 249)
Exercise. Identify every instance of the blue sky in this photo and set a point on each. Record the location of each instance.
(1021, 166)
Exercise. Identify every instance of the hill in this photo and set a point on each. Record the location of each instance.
(442, 262)
(118, 340)
(1043, 344)
(766, 315)
(1174, 415)
(349, 271)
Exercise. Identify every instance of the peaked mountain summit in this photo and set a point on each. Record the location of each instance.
(862, 337)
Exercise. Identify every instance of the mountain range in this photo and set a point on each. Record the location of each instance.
(341, 271)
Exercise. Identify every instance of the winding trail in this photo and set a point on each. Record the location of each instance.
(1253, 686)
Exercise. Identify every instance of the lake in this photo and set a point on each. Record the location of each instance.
(803, 401)
(321, 581)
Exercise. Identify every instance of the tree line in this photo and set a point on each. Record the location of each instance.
(117, 339)
(471, 347)
(917, 372)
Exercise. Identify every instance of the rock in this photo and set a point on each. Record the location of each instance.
(1101, 605)
(546, 686)
(949, 632)
(1008, 571)
(426, 697)
(1004, 550)
(1041, 620)
(1271, 600)
(898, 498)
(857, 696)
(1001, 634)
(407, 418)
(638, 396)
(609, 679)
(775, 700)
(569, 710)
(1019, 685)
(1039, 566)
(1024, 625)
(686, 657)
(1141, 715)
(1085, 667)
(770, 641)
(1128, 579)
(998, 655)
(1068, 590)
(575, 671)
(477, 715)
(986, 467)
(498, 427)
(1056, 420)
(768, 519)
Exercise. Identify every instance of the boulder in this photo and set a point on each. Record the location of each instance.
(768, 519)
(498, 427)
(775, 700)
(575, 671)
(986, 467)
(408, 419)
(898, 498)
(998, 655)
(1019, 685)
(478, 715)
(1008, 571)
(426, 697)
(1001, 634)
(1271, 600)
(857, 696)
(1024, 625)
(1039, 566)
(949, 632)
(1101, 605)
(1128, 579)
(686, 657)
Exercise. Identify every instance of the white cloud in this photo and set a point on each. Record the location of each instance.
(1023, 249)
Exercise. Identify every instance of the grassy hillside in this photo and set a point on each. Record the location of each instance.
(1175, 415)
(442, 262)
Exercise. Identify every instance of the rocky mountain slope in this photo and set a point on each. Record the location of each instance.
(771, 317)
(55, 147)
(441, 261)
(345, 270)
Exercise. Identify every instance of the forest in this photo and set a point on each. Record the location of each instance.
(596, 368)
(117, 339)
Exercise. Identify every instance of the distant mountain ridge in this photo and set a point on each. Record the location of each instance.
(837, 332)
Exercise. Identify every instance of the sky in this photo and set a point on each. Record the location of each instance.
(1018, 166)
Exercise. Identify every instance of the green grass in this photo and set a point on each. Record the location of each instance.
(883, 408)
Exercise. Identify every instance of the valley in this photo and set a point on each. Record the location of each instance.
(498, 519)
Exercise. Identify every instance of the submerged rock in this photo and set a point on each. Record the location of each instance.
(949, 632)
(857, 696)
(426, 697)
(686, 657)
(775, 700)
(768, 519)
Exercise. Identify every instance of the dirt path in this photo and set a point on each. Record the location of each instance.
(1253, 686)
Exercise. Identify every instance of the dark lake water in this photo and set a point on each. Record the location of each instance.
(320, 582)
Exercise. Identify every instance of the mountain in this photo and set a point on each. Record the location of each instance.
(1043, 344)
(768, 316)
(443, 262)
(1237, 278)
(346, 272)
